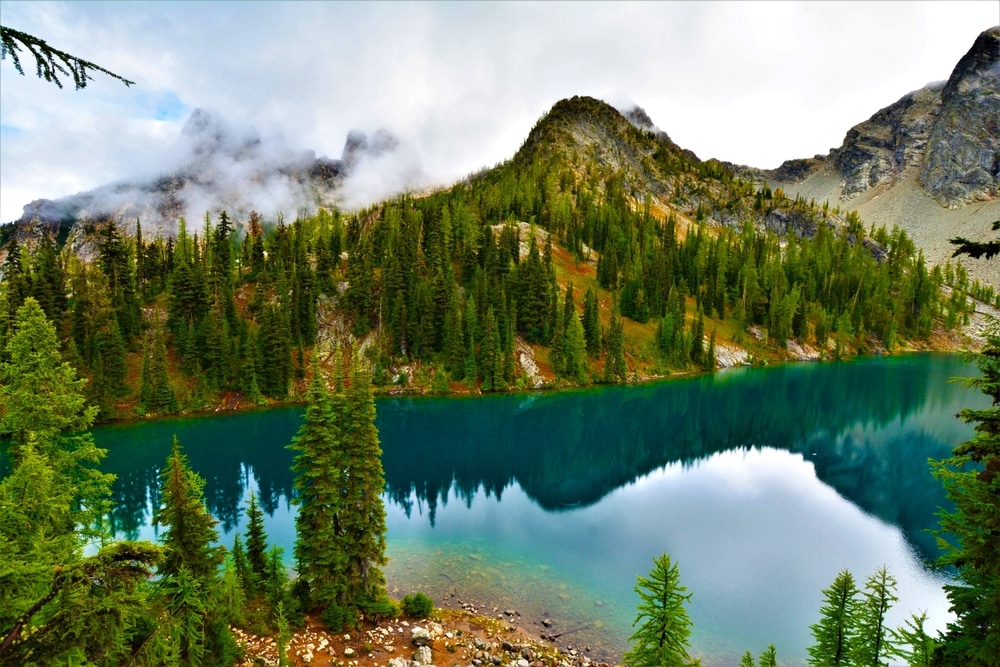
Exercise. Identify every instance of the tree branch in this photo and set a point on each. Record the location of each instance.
(50, 62)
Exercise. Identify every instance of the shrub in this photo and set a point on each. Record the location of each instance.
(337, 618)
(378, 609)
(418, 605)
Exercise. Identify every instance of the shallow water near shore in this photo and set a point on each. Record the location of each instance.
(762, 484)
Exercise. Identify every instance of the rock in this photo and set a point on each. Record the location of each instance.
(420, 636)
(962, 160)
(399, 662)
(479, 643)
(521, 662)
(423, 655)
(507, 646)
(349, 652)
(547, 622)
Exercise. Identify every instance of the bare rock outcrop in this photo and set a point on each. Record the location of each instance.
(962, 161)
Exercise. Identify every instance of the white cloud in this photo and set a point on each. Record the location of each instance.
(460, 84)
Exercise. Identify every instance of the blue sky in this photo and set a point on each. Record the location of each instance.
(460, 84)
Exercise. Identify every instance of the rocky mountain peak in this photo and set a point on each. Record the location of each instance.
(962, 162)
(982, 61)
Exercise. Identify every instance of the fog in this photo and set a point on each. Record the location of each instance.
(458, 85)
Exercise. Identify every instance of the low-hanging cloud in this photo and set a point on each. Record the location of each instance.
(215, 165)
(460, 85)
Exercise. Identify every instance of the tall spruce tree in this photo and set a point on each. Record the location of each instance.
(188, 530)
(318, 466)
(58, 605)
(364, 485)
(970, 534)
(256, 552)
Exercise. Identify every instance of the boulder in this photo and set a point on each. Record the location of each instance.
(423, 656)
(421, 636)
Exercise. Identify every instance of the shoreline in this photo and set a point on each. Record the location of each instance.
(238, 406)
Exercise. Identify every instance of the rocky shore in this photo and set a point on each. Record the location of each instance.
(450, 638)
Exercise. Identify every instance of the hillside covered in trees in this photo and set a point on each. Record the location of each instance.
(600, 252)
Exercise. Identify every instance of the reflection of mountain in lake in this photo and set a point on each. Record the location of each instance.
(858, 423)
(868, 427)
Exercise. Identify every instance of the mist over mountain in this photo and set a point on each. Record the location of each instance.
(215, 166)
(929, 163)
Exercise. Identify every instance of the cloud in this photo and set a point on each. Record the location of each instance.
(459, 84)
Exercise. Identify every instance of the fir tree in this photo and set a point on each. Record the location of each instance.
(32, 368)
(591, 324)
(662, 638)
(747, 660)
(873, 646)
(364, 524)
(614, 363)
(912, 643)
(256, 540)
(188, 530)
(769, 658)
(318, 466)
(836, 631)
(970, 534)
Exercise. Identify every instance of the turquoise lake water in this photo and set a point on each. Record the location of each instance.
(761, 483)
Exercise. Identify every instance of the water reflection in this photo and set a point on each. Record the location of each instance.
(553, 502)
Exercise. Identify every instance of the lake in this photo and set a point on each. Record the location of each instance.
(762, 484)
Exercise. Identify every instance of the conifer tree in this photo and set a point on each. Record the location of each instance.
(364, 485)
(340, 545)
(31, 369)
(912, 643)
(318, 466)
(747, 660)
(574, 349)
(873, 647)
(836, 631)
(663, 636)
(970, 535)
(240, 566)
(188, 530)
(490, 359)
(614, 363)
(591, 323)
(256, 552)
(769, 658)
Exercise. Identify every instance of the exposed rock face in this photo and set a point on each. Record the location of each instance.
(878, 150)
(962, 162)
(947, 135)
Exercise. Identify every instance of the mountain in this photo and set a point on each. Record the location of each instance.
(929, 162)
(220, 167)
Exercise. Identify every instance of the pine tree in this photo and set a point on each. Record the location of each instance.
(364, 526)
(241, 568)
(188, 530)
(614, 363)
(256, 541)
(662, 639)
(747, 660)
(31, 369)
(920, 646)
(318, 466)
(591, 323)
(769, 658)
(836, 631)
(873, 646)
(970, 535)
(490, 359)
(574, 349)
(340, 545)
